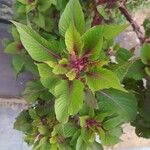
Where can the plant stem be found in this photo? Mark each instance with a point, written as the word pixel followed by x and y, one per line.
pixel 133 23
pixel 97 19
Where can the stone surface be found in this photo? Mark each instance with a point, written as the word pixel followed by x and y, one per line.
pixel 10 139
pixel 6 9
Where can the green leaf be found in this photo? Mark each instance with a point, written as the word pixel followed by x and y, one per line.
pixel 38 48
pixel 102 115
pixel 23 122
pixel 111 137
pixel 23 1
pixel 142 127
pixel 44 5
pixel 95 146
pixel 71 74
pixel 32 113
pixel 15 33
pixel 35 90
pixel 121 70
pixel 17 63
pixel 147 70
pixel 69 129
pixel 136 71
pixel 102 11
pixel 88 136
pixel 59 69
pixel 112 31
pixel 90 99
pixel 81 144
pixel 145 111
pixel 121 103
pixel 47 77
pixel 146 25
pixel 73 40
pixel 112 122
pixel 29 65
pixel 60 4
pixel 43 144
pixel 12 48
pixel 73 12
pixel 69 99
pixel 43 130
pixel 40 20
pixel 83 121
pixel 75 137
pixel 145 54
pixel 123 55
pixel 102 79
pixel 93 41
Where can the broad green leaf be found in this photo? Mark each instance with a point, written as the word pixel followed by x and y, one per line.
pixel 38 48
pixel 112 31
pixel 73 40
pixel 112 123
pixel 29 65
pixel 23 1
pixel 73 12
pixel 68 129
pixel 21 9
pixel 122 103
pixel 111 137
pixel 95 146
pixel 71 74
pixel 93 41
pixel 102 79
pixel 83 121
pixel 145 104
pixel 136 71
pixel 43 130
pixel 47 78
pixel 23 122
pixel 101 116
pixel 121 70
pixel 147 70
pixel 69 99
pixel 35 90
pixel 32 113
pixel 12 48
pixel 142 127
pixel 75 137
pixel 90 99
pixel 123 55
pixel 29 8
pixel 43 144
pixel 102 11
pixel 17 63
pixel 81 145
pixel 146 25
pixel 15 33
pixel 44 5
pixel 145 54
pixel 88 136
pixel 60 4
pixel 59 69
pixel 39 20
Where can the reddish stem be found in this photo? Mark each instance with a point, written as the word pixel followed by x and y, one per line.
pixel 97 19
pixel 133 23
